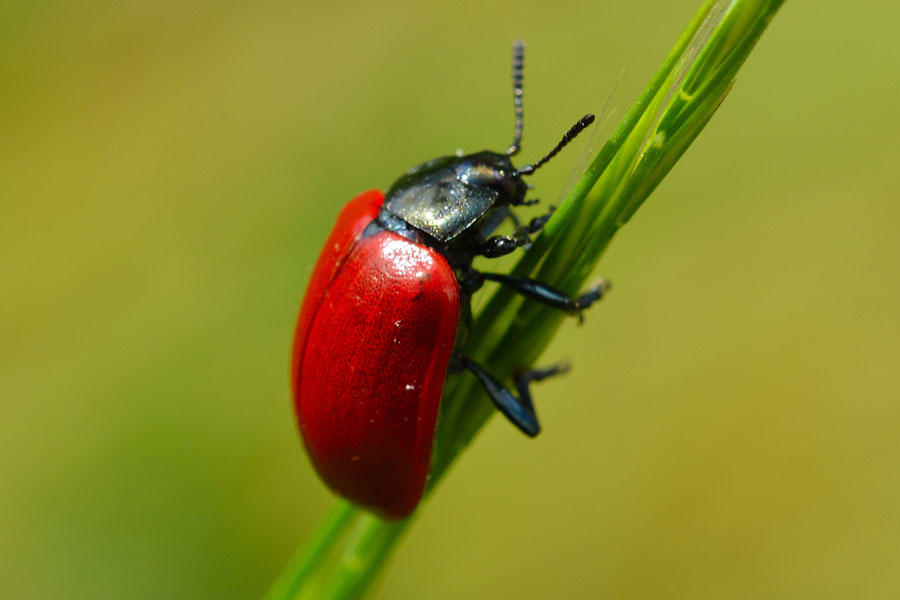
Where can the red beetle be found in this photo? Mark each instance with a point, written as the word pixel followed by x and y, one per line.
pixel 386 308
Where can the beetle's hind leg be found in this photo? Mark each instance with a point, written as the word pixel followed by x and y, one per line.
pixel 519 410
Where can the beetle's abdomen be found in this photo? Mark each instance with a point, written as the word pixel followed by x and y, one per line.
pixel 371 356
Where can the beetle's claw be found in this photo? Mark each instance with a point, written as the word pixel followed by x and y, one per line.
pixel 596 292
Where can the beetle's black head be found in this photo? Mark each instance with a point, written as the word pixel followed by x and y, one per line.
pixel 446 196
pixel 493 171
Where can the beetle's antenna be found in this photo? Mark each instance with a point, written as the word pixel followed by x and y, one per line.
pixel 570 135
pixel 518 63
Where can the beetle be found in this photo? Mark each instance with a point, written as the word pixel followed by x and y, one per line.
pixel 388 307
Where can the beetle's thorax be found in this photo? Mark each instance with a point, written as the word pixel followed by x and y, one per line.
pixel 448 196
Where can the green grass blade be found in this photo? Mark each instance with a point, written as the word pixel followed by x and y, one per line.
pixel 668 116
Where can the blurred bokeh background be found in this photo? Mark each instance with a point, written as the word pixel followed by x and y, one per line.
pixel 169 170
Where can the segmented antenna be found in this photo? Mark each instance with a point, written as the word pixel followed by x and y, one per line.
pixel 518 63
pixel 570 135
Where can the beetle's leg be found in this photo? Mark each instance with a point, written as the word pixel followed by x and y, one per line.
pixel 493 220
pixel 522 379
pixel 501 245
pixel 537 223
pixel 512 217
pixel 469 282
pixel 519 410
pixel 549 295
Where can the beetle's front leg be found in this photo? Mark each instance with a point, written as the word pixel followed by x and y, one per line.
pixel 549 295
pixel 537 223
pixel 501 245
pixel 519 410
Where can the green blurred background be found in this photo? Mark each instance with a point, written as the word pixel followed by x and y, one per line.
pixel 169 170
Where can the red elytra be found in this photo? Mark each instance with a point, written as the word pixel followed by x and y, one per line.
pixel 373 342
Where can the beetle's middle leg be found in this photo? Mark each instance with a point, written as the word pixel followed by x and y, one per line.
pixel 547 294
